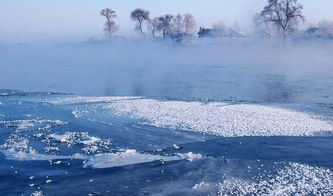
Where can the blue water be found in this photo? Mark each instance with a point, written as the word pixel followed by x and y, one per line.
pixel 224 158
pixel 47 147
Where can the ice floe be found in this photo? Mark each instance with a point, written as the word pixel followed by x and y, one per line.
pixel 32 124
pixel 75 138
pixel 91 144
pixel 16 143
pixel 34 156
pixel 223 119
pixel 82 99
pixel 218 118
pixel 103 160
pixel 282 179
pixel 294 179
pixel 21 142
pixel 95 151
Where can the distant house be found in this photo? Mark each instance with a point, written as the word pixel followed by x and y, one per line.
pixel 318 33
pixel 211 33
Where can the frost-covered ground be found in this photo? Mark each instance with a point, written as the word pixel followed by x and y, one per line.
pixel 156 119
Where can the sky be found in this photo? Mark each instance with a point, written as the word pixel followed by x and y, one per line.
pixel 65 20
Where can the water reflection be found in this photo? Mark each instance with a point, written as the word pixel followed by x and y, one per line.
pixel 196 72
pixel 277 89
pixel 224 83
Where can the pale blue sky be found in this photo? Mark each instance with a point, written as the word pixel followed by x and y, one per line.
pixel 29 20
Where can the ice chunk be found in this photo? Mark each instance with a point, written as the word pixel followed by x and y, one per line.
pixel 127 157
pixel 37 193
pixel 75 138
pixel 190 156
pixel 200 185
pixel 91 144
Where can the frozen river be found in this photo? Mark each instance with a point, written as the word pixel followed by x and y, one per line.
pixel 89 119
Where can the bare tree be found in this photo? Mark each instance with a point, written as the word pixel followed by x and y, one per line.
pixel 177 24
pixel 155 26
pixel 140 16
pixel 110 25
pixel 190 24
pixel 166 25
pixel 179 27
pixel 262 29
pixel 283 15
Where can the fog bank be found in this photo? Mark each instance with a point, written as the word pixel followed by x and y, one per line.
pixel 249 70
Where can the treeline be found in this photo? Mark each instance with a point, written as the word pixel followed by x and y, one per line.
pixel 179 27
pixel 279 18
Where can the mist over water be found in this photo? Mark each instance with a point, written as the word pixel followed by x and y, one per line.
pixel 250 70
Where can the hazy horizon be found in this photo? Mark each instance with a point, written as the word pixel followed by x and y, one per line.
pixel 71 20
pixel 171 113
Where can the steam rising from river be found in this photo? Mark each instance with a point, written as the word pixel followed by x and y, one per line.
pixel 241 69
